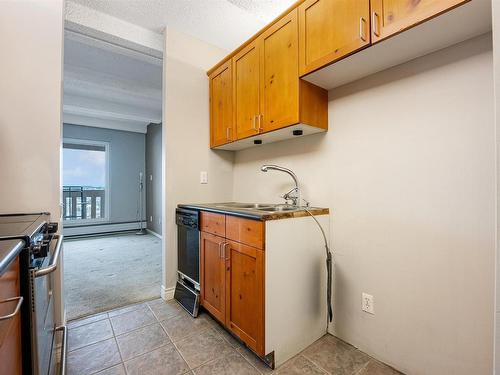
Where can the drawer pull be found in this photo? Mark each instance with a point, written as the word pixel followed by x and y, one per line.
pixel 16 310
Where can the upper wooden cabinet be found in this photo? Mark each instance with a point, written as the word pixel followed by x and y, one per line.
pixel 330 30
pixel 390 17
pixel 221 105
pixel 279 47
pixel 247 91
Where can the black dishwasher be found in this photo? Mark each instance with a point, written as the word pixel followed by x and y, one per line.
pixel 188 259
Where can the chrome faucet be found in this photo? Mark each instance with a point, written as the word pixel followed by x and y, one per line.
pixel 294 194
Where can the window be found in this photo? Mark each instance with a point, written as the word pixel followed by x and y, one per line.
pixel 85 181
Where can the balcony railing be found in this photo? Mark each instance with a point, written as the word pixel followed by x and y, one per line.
pixel 83 203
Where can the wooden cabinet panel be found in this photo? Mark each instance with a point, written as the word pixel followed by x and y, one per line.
pixel 279 50
pixel 245 294
pixel 246 79
pixel 213 223
pixel 221 105
pixel 10 330
pixel 390 17
pixel 246 231
pixel 330 30
pixel 212 275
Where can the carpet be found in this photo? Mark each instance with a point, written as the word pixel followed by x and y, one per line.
pixel 103 273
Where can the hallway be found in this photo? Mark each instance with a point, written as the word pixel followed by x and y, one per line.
pixel 106 272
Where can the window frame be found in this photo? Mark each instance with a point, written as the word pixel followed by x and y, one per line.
pixel 107 188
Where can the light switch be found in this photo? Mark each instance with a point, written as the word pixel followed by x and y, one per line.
pixel 203 177
pixel 150 177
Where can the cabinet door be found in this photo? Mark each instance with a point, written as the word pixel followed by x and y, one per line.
pixel 330 30
pixel 221 105
pixel 246 91
pixel 212 280
pixel 390 17
pixel 245 294
pixel 279 50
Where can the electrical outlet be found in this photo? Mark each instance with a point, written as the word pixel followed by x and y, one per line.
pixel 203 177
pixel 150 177
pixel 367 303
pixel 151 219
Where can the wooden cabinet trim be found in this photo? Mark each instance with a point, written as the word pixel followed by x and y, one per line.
pixel 213 223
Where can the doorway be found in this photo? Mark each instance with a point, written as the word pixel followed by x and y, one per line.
pixel 112 176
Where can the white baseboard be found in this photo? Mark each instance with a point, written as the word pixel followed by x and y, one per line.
pixel 100 228
pixel 167 293
pixel 153 233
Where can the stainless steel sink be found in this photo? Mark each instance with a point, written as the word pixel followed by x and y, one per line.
pixel 267 207
pixel 279 208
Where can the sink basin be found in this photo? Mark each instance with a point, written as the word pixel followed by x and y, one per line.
pixel 278 208
pixel 258 206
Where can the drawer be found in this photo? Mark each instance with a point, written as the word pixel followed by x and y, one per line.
pixel 246 231
pixel 10 329
pixel 213 223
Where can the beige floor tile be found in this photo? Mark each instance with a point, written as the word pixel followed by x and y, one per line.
pixel 231 364
pixel 115 370
pixel 142 340
pixel 89 334
pixel 376 368
pixel 93 358
pixel 87 320
pixel 126 309
pixel 254 360
pixel 182 326
pixel 163 361
pixel 335 356
pixel 166 310
pixel 299 365
pixel 203 347
pixel 132 320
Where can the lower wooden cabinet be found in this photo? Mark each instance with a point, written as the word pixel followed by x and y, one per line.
pixel 10 329
pixel 213 275
pixel 245 294
pixel 232 283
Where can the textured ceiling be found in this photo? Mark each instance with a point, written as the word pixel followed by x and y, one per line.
pixel 224 23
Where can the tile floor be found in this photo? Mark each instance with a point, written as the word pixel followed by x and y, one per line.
pixel 160 338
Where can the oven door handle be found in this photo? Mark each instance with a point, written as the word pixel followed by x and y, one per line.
pixel 16 310
pixel 64 349
pixel 55 258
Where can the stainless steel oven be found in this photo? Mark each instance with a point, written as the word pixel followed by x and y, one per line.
pixel 44 344
pixel 43 329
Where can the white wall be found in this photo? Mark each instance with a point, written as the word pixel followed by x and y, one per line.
pixel 408 172
pixel 31 40
pixel 186 138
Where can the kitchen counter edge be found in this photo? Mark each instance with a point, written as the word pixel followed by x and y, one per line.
pixel 250 214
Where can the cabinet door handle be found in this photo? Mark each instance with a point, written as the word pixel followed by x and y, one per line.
pixel 225 244
pixel 16 310
pixel 375 20
pixel 362 29
pixel 228 137
pixel 260 126
pixel 220 250
pixel 255 122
